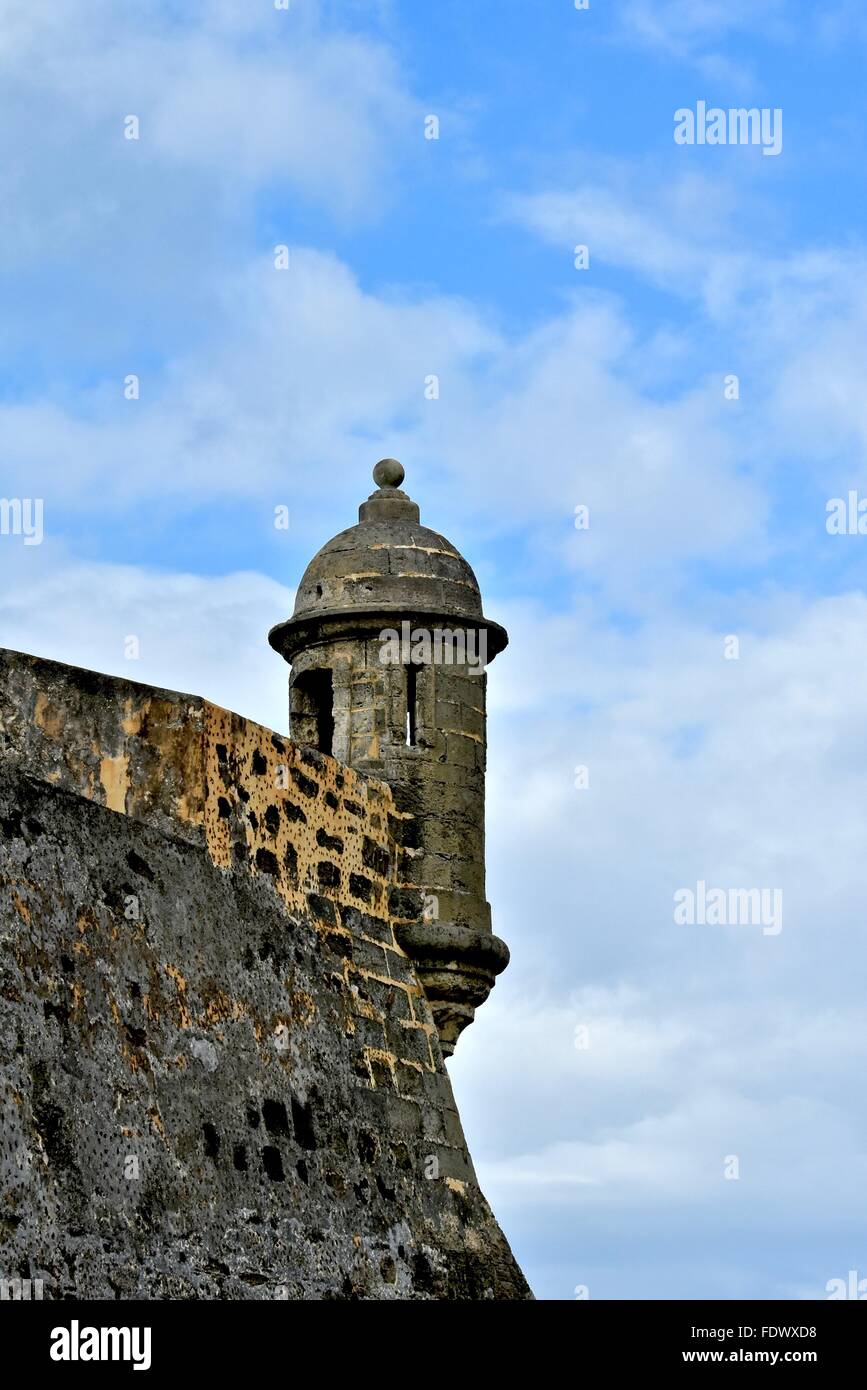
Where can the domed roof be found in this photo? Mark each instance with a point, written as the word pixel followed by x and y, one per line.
pixel 388 564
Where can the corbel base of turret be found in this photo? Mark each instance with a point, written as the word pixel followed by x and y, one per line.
pixel 457 967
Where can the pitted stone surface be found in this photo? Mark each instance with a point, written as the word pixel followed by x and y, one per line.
pixel 220 1075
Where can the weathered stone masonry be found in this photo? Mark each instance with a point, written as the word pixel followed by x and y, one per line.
pixel 420 725
pixel 221 1077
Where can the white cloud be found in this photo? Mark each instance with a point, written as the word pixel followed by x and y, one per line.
pixel 697 235
pixel 202 636
pixel 702 1042
pixel 790 326
pixel 543 422
pixel 696 31
pixel 240 98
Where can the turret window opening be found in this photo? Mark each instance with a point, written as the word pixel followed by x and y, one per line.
pixel 312 713
pixel 411 704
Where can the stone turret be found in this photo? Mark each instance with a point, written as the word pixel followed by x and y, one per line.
pixel 388 645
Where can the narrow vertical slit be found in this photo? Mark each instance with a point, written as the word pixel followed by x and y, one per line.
pixel 325 713
pixel 411 686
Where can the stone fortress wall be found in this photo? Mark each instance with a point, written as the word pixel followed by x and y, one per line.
pixel 221 1076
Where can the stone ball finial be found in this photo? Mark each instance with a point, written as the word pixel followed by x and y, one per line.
pixel 388 473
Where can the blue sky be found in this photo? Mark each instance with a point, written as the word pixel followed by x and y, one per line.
pixel 558 387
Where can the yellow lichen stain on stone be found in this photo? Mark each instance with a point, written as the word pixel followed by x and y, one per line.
pixel 221 1007
pixel 132 718
pixel 156 1120
pixel 181 987
pixel 365 1009
pixel 85 918
pixel 462 733
pixel 21 908
pixel 424 549
pixel 416 1027
pixel 133 1060
pixel 456 1185
pixel 303 1007
pixel 420 574
pixel 190 808
pixel 114 776
pixel 378 1054
pixel 49 719
pixel 167 759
